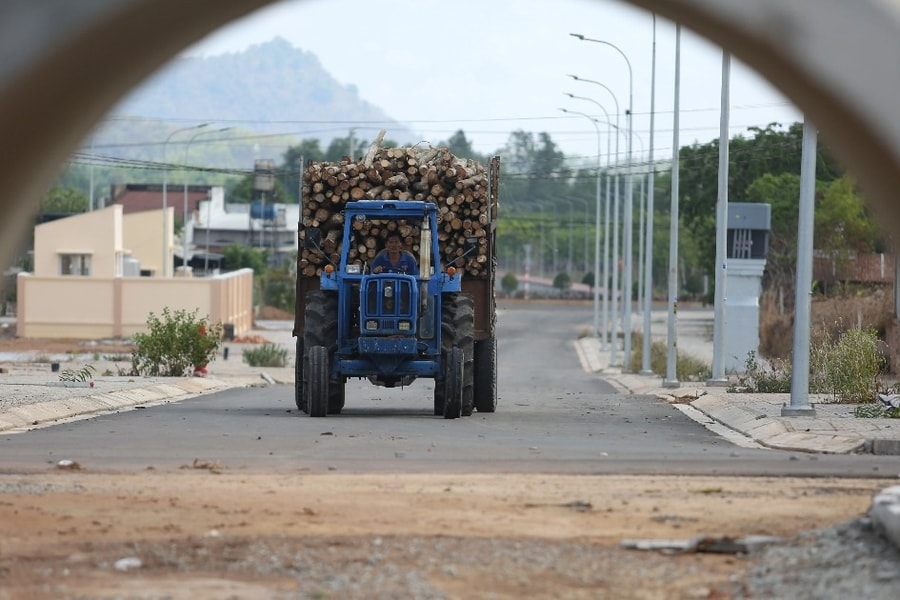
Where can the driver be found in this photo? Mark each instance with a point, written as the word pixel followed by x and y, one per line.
pixel 394 259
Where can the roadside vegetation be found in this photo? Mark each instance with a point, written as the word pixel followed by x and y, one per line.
pixel 267 355
pixel 687 367
pixel 176 344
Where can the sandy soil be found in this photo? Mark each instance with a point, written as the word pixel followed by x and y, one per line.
pixel 207 533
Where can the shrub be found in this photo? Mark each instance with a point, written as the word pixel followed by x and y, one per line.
pixel 176 343
pixel 562 281
pixel 509 283
pixel 848 368
pixel 774 378
pixel 267 355
pixel 687 367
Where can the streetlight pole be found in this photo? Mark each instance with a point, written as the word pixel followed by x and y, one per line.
pixel 604 345
pixel 671 379
pixel 596 225
pixel 629 209
pixel 165 210
pixel 184 243
pixel 646 368
pixel 614 225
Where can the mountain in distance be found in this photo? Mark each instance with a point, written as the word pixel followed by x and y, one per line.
pixel 271 95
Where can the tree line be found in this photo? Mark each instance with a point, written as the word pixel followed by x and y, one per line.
pixel 547 200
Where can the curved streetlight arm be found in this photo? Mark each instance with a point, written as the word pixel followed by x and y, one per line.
pixel 605 43
pixel 165 206
pixel 605 87
pixel 187 149
pixel 608 126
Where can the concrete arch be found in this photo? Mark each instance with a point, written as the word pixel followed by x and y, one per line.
pixel 65 65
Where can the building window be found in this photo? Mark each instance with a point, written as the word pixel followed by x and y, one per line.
pixel 75 264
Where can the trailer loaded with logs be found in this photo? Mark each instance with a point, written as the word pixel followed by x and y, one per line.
pixel 392 328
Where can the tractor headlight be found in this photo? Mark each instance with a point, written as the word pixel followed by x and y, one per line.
pixel 353 269
pixel 371 325
pixel 404 325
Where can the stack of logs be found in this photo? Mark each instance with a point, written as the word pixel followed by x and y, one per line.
pixel 457 186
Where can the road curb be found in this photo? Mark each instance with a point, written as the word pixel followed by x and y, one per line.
pixel 31 415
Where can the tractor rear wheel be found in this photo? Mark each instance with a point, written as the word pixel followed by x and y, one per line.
pixel 458 329
pixel 486 375
pixel 299 396
pixel 317 381
pixel 453 383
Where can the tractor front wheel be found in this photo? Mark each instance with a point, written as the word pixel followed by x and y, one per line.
pixel 317 381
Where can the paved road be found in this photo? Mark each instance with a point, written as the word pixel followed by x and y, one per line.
pixel 552 416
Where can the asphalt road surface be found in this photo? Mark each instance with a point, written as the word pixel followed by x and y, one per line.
pixel 552 416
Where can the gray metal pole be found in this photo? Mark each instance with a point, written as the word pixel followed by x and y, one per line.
pixel 646 368
pixel 627 234
pixel 607 229
pixel 614 317
pixel 628 277
pixel 541 254
pixel 800 406
pixel 639 307
pixel 671 379
pixel 571 238
pixel 604 342
pixel 91 191
pixel 718 364
pixel 597 332
pixel 165 210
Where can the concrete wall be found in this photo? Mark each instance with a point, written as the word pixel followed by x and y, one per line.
pixel 142 232
pixel 118 307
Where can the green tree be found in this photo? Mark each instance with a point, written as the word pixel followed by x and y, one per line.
pixel 65 200
pixel 562 281
pixel 242 191
pixel 460 146
pixel 842 221
pixel 244 257
pixel 782 193
pixel 509 283
pixel 535 169
pixel 279 289
pixel 295 159
pixel 769 151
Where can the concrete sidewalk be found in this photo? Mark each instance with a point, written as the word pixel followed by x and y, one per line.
pixel 31 395
pixel 833 428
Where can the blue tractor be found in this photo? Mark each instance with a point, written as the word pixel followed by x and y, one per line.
pixel 390 328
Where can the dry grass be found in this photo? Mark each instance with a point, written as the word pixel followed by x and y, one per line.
pixel 870 308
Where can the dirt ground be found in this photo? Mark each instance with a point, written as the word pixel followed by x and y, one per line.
pixel 205 532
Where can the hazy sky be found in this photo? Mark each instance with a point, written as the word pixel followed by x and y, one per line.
pixel 490 67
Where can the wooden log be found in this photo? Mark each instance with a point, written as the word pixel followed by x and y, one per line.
pixel 373 149
pixel 458 187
